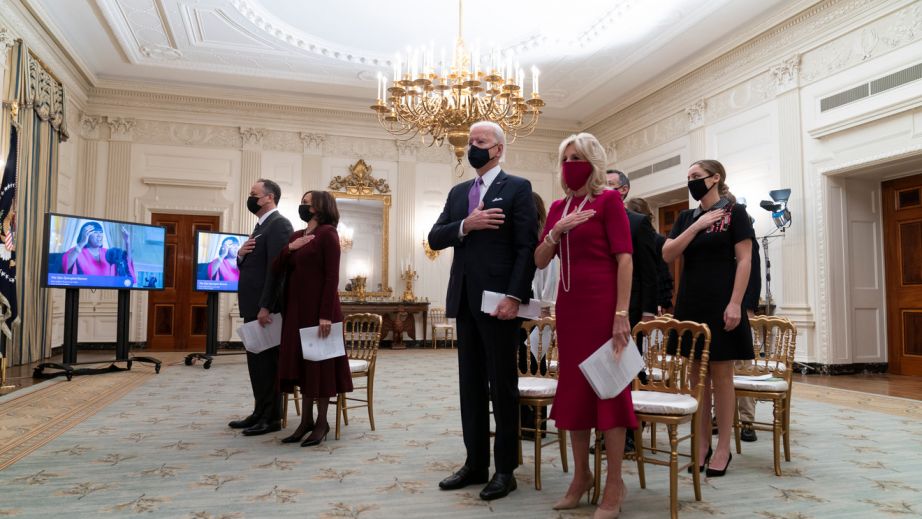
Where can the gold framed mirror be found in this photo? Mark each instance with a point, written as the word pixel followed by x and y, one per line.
pixel 364 205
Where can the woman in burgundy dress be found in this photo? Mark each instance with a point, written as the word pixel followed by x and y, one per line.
pixel 589 231
pixel 311 267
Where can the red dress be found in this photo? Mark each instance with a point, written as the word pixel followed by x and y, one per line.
pixel 586 313
pixel 311 281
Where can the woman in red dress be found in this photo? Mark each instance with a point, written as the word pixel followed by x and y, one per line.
pixel 311 266
pixel 589 231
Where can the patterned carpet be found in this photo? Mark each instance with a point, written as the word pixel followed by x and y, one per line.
pixel 164 450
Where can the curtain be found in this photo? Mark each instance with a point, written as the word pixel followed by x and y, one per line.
pixel 41 122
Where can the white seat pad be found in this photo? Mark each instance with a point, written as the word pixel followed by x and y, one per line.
pixel 754 384
pixel 656 373
pixel 537 387
pixel 358 366
pixel 654 402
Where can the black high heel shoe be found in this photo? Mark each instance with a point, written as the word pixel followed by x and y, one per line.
pixel 295 438
pixel 707 458
pixel 714 473
pixel 310 442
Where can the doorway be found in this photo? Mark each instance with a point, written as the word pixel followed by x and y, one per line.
pixel 177 315
pixel 902 213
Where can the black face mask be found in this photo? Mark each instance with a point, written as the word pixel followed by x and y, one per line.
pixel 698 187
pixel 304 211
pixel 478 157
pixel 253 204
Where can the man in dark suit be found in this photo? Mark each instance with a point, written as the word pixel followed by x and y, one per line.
pixel 491 222
pixel 643 305
pixel 257 297
pixel 644 285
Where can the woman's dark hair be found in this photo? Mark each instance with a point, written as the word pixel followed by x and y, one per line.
pixel 714 167
pixel 324 206
pixel 542 212
pixel 639 205
pixel 96 226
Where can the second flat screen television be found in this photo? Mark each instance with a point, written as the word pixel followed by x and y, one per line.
pixel 216 261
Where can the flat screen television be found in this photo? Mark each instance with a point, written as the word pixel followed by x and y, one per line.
pixel 81 252
pixel 216 261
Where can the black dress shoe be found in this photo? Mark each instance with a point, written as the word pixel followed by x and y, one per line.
pixel 464 477
pixel 296 437
pixel 310 442
pixel 247 422
pixel 704 463
pixel 262 427
pixel 498 487
pixel 748 434
pixel 714 473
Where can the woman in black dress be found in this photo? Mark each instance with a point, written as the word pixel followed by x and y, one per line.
pixel 715 241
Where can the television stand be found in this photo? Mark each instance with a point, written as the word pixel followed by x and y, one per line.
pixel 69 355
pixel 211 339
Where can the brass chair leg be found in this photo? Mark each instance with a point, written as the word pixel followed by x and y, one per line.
pixel 538 441
pixel 696 474
pixel 776 434
pixel 787 428
pixel 345 411
pixel 340 409
pixel 369 393
pixel 673 471
pixel 736 430
pixel 639 448
pixel 562 440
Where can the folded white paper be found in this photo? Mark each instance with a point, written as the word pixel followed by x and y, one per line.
pixel 544 341
pixel 491 300
pixel 257 338
pixel 314 347
pixel 607 376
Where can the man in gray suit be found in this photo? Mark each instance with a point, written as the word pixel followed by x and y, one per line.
pixel 257 297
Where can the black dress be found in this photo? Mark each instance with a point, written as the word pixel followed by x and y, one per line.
pixel 708 272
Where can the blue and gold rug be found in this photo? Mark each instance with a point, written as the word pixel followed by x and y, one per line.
pixel 164 450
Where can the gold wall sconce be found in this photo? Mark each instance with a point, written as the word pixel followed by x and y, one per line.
pixel 431 254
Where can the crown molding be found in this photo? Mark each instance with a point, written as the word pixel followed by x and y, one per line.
pixel 819 24
pixel 26 22
pixel 180 182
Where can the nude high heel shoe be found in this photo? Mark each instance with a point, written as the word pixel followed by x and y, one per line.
pixel 607 513
pixel 570 501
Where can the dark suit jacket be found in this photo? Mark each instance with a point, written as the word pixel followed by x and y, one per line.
pixel 500 260
pixel 259 287
pixel 643 285
pixel 664 282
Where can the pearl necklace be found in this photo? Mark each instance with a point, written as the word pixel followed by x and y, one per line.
pixel 566 281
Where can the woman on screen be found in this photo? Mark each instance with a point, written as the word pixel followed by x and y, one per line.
pixel 224 266
pixel 88 257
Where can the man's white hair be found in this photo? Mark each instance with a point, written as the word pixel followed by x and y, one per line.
pixel 497 133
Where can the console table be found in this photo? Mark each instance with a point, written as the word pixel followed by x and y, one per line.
pixel 398 317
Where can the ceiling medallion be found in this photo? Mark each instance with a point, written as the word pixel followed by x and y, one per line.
pixel 442 100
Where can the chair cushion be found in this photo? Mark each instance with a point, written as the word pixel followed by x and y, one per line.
pixel 537 387
pixel 656 373
pixel 760 383
pixel 441 326
pixel 358 366
pixel 655 402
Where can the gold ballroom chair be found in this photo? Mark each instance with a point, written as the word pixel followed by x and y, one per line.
pixel 441 326
pixel 362 334
pixel 538 385
pixel 670 399
pixel 295 397
pixel 769 378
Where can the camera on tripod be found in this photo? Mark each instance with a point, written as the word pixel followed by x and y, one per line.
pixel 778 206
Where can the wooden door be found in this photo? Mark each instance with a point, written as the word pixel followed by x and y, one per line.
pixel 177 315
pixel 902 209
pixel 668 214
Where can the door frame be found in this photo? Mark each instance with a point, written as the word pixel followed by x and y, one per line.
pixel 178 196
pixel 895 346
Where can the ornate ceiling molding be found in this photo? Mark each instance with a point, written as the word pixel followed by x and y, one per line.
pixel 120 128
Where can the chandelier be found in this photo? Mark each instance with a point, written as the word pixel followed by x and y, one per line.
pixel 441 100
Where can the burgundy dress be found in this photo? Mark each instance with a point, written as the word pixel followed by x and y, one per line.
pixel 311 281
pixel 586 313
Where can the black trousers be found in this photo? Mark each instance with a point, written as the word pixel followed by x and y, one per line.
pixel 264 369
pixel 487 372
